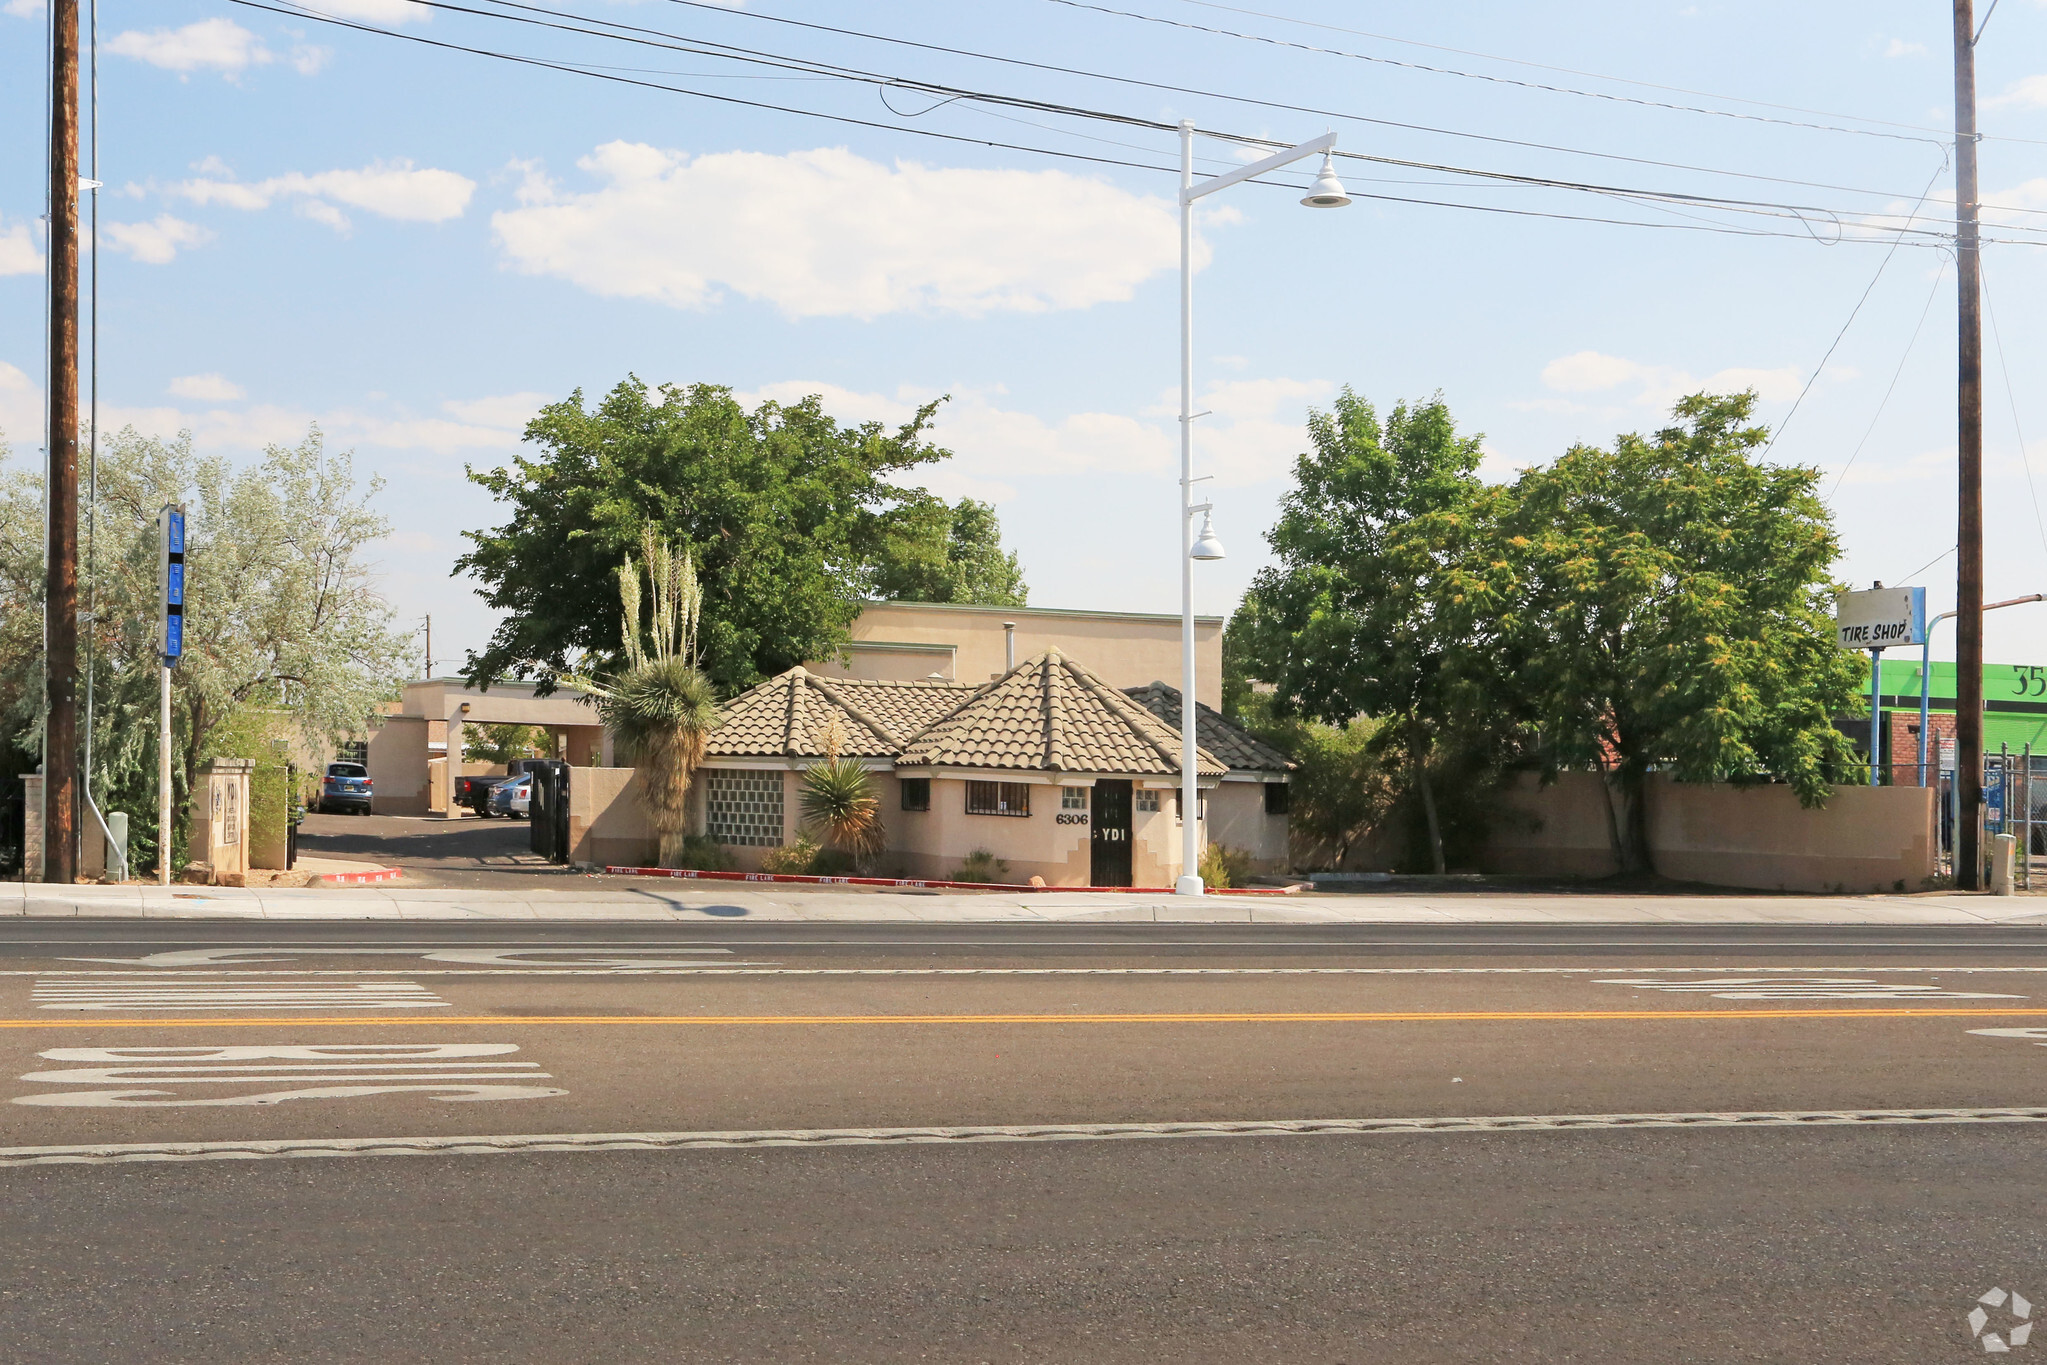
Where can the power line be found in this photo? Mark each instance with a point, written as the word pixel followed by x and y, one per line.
pixel 1562 70
pixel 1896 374
pixel 2011 394
pixel 640 35
pixel 1279 105
pixel 598 73
pixel 1481 76
pixel 1867 290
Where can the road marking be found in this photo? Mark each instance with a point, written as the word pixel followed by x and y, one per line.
pixel 745 969
pixel 442 1071
pixel 1208 1017
pixel 160 993
pixel 486 956
pixel 1805 988
pixel 273 1149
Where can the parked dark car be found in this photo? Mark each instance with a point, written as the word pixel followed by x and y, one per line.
pixel 345 787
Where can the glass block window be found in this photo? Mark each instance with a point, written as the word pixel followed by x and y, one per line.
pixel 742 807
pixel 1073 798
pixel 1147 799
pixel 916 793
pixel 998 798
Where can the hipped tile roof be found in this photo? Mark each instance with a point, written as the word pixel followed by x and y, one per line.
pixel 1228 741
pixel 1048 714
pixel 787 715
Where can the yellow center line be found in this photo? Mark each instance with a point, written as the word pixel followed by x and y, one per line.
pixel 1206 1017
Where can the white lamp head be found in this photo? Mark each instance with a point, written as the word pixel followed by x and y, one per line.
pixel 1327 191
pixel 1206 546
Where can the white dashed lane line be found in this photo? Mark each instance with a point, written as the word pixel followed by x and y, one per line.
pixel 218 1077
pixel 161 993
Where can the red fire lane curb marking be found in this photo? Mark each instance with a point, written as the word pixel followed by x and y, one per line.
pixel 382 874
pixel 692 874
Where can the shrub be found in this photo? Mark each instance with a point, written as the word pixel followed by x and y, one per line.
pixel 980 866
pixel 793 860
pixel 702 853
pixel 1223 867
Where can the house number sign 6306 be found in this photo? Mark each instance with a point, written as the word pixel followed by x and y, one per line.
pixel 1079 819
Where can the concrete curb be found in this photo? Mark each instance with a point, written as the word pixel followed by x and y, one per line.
pixel 382 874
pixel 694 874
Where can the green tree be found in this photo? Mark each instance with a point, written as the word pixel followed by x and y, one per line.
pixel 1384 598
pixel 281 608
pixel 930 552
pixel 501 743
pixel 1674 607
pixel 784 509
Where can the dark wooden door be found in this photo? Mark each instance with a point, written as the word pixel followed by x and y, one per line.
pixel 1109 846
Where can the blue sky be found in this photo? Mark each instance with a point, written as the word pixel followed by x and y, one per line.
pixel 415 247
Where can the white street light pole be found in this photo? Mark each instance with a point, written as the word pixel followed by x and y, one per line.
pixel 1326 194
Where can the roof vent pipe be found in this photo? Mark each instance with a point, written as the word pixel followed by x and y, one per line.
pixel 1008 645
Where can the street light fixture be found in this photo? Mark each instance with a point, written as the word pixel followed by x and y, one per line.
pixel 1327 193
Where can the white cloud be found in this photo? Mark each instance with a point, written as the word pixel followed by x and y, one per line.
pixel 1898 47
pixel 826 233
pixel 22 9
pixel 21 411
pixel 307 59
pixel 390 189
pixel 511 411
pixel 207 388
pixel 157 241
pixel 18 254
pixel 377 11
pixel 218 44
pixel 1656 386
pixel 2029 92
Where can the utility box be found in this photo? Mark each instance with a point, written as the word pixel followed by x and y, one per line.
pixel 32 827
pixel 220 820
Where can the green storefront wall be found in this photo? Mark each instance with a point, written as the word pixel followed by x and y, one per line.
pixel 2014 700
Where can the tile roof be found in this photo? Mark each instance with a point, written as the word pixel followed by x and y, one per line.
pixel 1049 714
pixel 786 716
pixel 1228 741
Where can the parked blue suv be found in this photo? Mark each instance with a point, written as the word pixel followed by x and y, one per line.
pixel 346 787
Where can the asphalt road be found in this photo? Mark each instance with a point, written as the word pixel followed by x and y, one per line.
pixel 720 1143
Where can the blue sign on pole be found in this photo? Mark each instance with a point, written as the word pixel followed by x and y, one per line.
pixel 171 578
pixel 1993 797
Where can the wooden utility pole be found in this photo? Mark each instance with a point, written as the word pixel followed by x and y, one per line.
pixel 1969 471
pixel 60 583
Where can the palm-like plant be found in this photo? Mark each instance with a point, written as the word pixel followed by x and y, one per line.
pixel 660 707
pixel 838 798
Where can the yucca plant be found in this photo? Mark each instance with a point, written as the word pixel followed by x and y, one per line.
pixel 660 707
pixel 838 799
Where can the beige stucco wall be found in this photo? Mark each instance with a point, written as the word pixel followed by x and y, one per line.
pixel 1237 819
pixel 1126 649
pixel 398 766
pixel 506 703
pixel 1864 839
pixel 608 827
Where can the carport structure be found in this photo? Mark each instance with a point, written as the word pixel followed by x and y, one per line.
pixel 409 749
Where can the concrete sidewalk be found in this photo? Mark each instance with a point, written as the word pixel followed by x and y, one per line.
pixel 669 902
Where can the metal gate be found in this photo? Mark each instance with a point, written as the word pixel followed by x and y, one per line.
pixel 548 811
pixel 2013 805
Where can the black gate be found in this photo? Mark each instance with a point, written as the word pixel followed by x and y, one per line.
pixel 548 811
pixel 1109 848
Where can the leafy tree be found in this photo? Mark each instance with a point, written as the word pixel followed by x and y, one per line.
pixel 1343 788
pixel 281 611
pixel 1383 601
pixel 784 510
pixel 934 553
pixel 503 742
pixel 1674 607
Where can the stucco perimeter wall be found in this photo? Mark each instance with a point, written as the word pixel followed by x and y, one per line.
pixel 607 824
pixel 1237 819
pixel 1864 839
pixel 398 766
